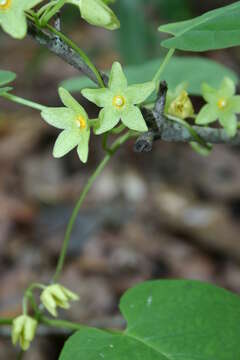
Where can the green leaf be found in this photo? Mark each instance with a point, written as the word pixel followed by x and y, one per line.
pixel 6 77
pixel 166 320
pixel 217 29
pixel 193 70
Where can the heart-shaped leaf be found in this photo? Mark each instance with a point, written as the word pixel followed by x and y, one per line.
pixel 6 77
pixel 193 70
pixel 217 29
pixel 167 320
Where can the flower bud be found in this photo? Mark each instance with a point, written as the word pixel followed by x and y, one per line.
pixel 56 295
pixel 23 330
pixel 181 107
pixel 97 13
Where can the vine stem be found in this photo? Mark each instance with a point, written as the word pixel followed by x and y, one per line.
pixel 52 12
pixel 61 323
pixel 22 101
pixel 121 140
pixel 163 65
pixel 6 321
pixel 78 50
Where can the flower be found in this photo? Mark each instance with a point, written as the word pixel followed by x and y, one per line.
pixel 73 119
pixel 178 103
pixel 97 13
pixel 56 295
pixel 118 102
pixel 12 16
pixel 222 104
pixel 23 330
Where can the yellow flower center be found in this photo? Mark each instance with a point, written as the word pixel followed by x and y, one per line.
pixel 118 101
pixel 5 4
pixel 81 122
pixel 222 103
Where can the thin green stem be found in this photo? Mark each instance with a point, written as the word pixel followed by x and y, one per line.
pixel 22 101
pixel 45 7
pixel 163 65
pixel 52 12
pixel 61 323
pixel 6 321
pixel 78 50
pixel 79 203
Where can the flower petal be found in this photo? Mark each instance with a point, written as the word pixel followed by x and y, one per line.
pixel 134 120
pixel 30 328
pixel 71 103
pixel 136 94
pixel 61 118
pixel 209 93
pixel 14 23
pixel 28 4
pixel 234 104
pixel 229 122
pixel 100 97
pixel 207 115
pixel 107 120
pixel 227 88
pixel 82 150
pixel 117 80
pixel 66 141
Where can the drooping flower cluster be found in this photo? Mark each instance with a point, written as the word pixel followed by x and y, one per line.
pixel 23 331
pixel 56 295
pixel 24 326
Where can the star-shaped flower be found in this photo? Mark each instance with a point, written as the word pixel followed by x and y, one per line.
pixel 97 13
pixel 222 104
pixel 12 16
pixel 118 102
pixel 73 120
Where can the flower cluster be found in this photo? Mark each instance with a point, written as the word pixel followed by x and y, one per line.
pixel 56 295
pixel 24 326
pixel 119 101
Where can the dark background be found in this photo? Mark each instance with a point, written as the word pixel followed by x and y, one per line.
pixel 167 214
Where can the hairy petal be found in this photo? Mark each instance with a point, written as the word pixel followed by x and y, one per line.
pixel 136 94
pixel 82 150
pixel 134 120
pixel 71 103
pixel 100 97
pixel 117 80
pixel 61 118
pixel 66 141
pixel 234 103
pixel 107 120
pixel 229 122
pixel 207 115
